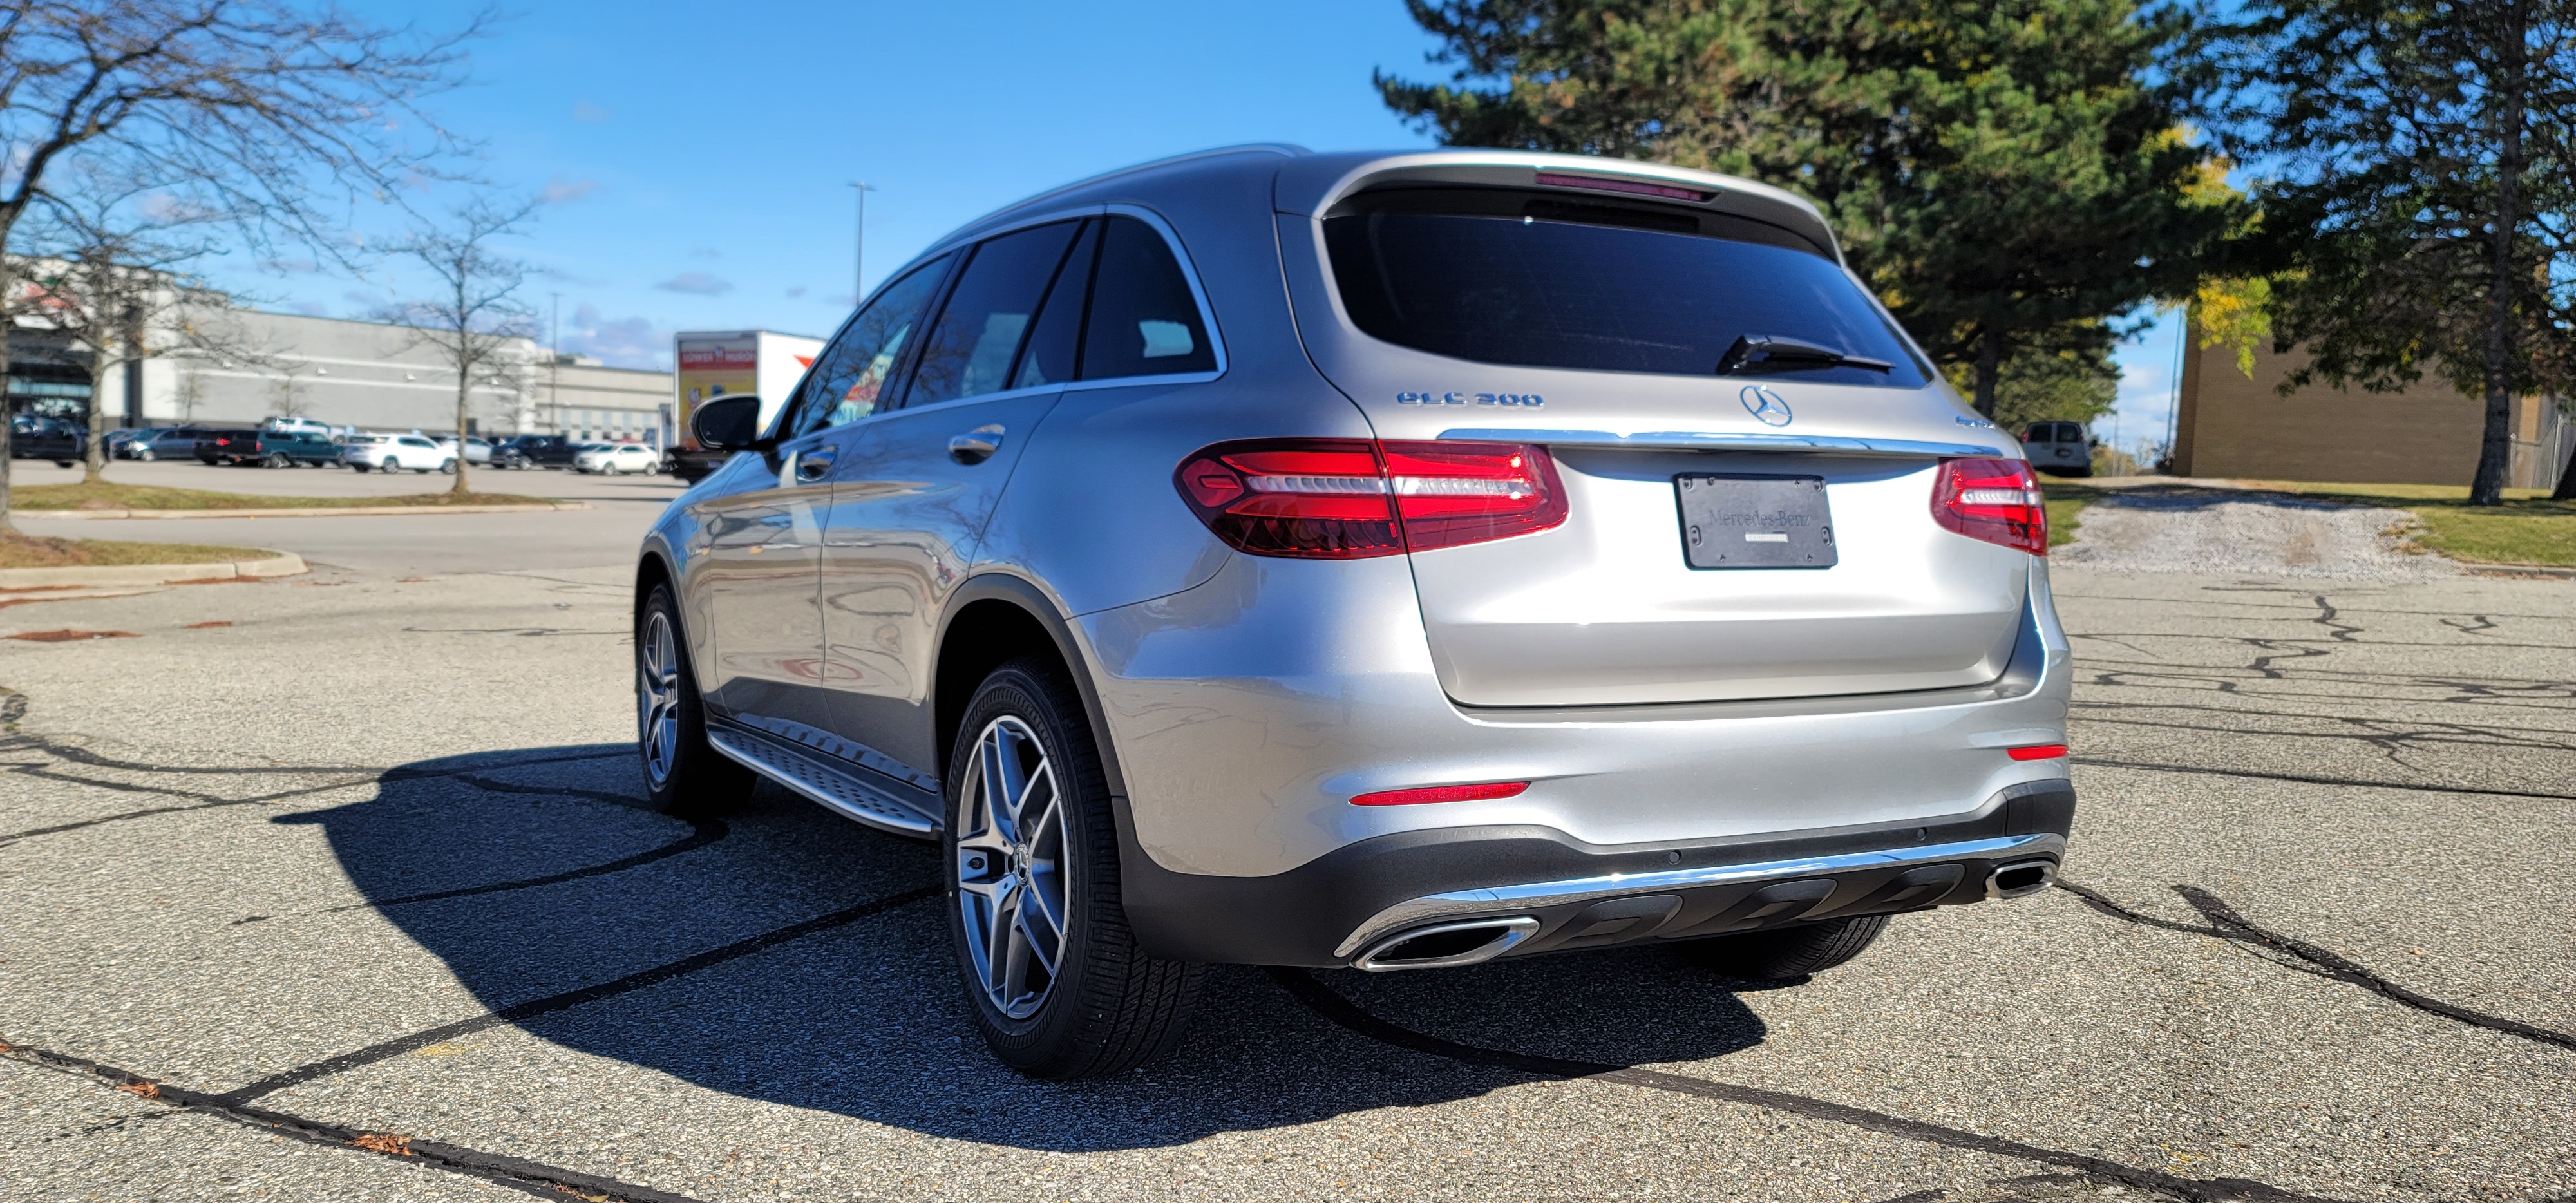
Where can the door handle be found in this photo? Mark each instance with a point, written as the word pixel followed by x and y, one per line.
pixel 813 467
pixel 975 446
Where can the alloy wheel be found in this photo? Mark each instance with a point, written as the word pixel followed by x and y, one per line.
pixel 1011 867
pixel 657 695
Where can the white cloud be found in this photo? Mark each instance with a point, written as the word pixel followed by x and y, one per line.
pixel 560 191
pixel 630 342
pixel 696 284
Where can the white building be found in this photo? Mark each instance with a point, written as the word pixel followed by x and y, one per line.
pixel 367 375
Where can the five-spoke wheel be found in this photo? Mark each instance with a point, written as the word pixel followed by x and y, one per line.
pixel 657 696
pixel 1011 867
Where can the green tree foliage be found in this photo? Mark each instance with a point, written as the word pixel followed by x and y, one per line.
pixel 2423 184
pixel 2001 172
pixel 2075 384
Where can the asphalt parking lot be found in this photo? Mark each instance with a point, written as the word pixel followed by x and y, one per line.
pixel 621 509
pixel 351 895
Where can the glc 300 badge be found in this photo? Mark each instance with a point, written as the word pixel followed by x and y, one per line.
pixel 1455 398
pixel 1765 406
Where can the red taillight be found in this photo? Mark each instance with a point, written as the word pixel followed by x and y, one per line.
pixel 1350 498
pixel 2037 752
pixel 1996 500
pixel 1443 793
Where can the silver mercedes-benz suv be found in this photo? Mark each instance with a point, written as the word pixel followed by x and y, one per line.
pixel 1382 560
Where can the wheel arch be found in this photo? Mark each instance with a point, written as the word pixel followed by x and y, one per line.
pixel 994 618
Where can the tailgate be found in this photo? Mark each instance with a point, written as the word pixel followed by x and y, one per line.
pixel 1609 607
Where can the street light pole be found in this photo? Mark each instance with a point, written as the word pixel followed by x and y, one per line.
pixel 859 246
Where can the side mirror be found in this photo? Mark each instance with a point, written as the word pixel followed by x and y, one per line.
pixel 726 423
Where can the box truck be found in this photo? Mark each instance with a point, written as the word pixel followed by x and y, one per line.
pixel 731 363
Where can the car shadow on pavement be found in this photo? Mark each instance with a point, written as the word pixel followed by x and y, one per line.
pixel 542 875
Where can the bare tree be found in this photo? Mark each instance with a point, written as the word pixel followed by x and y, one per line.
pixel 476 314
pixel 111 263
pixel 248 105
pixel 287 395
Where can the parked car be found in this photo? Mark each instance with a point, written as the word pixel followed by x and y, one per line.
pixel 164 442
pixel 692 464
pixel 535 451
pixel 610 459
pixel 476 450
pixel 1206 558
pixel 395 452
pixel 33 436
pixel 266 448
pixel 2059 448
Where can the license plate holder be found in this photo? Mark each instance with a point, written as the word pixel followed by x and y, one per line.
pixel 1744 520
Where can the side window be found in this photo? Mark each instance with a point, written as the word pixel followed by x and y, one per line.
pixel 969 350
pixel 1048 359
pixel 844 384
pixel 1144 322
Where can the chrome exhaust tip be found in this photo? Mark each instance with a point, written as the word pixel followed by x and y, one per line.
pixel 1447 945
pixel 2020 879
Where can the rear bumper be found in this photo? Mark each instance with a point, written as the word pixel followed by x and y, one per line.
pixel 1337 909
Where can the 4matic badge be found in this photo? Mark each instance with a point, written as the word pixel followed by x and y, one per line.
pixel 1533 400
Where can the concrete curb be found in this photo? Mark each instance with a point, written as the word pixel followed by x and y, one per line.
pixel 2524 570
pixel 351 511
pixel 282 564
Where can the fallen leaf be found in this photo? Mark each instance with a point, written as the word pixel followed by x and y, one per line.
pixel 385 1142
pixel 199 626
pixel 69 636
pixel 146 1090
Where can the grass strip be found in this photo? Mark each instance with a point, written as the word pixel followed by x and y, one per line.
pixel 109 495
pixel 27 551
pixel 2527 529
pixel 2066 502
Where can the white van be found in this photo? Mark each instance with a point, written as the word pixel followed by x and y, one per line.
pixel 2059 448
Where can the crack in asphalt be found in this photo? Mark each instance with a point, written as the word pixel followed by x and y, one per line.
pixel 213 801
pixel 520 1012
pixel 2409 734
pixel 2226 923
pixel 535 1177
pixel 1342 1012
pixel 702 833
pixel 2313 779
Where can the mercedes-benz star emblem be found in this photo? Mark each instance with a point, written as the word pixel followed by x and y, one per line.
pixel 1766 405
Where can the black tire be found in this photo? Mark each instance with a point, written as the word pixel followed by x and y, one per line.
pixel 1786 953
pixel 1108 1007
pixel 277 460
pixel 694 779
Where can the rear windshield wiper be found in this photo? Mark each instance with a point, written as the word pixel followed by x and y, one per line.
pixel 1778 353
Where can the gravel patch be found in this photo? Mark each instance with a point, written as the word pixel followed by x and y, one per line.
pixel 2231 533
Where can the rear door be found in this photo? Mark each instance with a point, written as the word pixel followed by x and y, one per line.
pixel 1594 326
pixel 918 483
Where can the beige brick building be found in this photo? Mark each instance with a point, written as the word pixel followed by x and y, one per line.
pixel 2231 426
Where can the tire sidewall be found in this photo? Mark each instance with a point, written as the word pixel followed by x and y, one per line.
pixel 697 769
pixel 1021 690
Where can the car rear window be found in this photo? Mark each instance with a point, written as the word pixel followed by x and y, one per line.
pixel 1499 276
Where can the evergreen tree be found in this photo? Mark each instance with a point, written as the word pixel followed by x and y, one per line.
pixel 2003 173
pixel 2422 195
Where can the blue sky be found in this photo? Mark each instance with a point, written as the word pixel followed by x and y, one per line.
pixel 696 157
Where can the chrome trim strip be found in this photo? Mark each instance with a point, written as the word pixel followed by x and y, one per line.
pixel 1691 440
pixel 1535 895
pixel 816 783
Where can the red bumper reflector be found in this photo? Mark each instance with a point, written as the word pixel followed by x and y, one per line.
pixel 2037 752
pixel 1443 793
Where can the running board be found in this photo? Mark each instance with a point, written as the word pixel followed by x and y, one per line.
pixel 843 791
